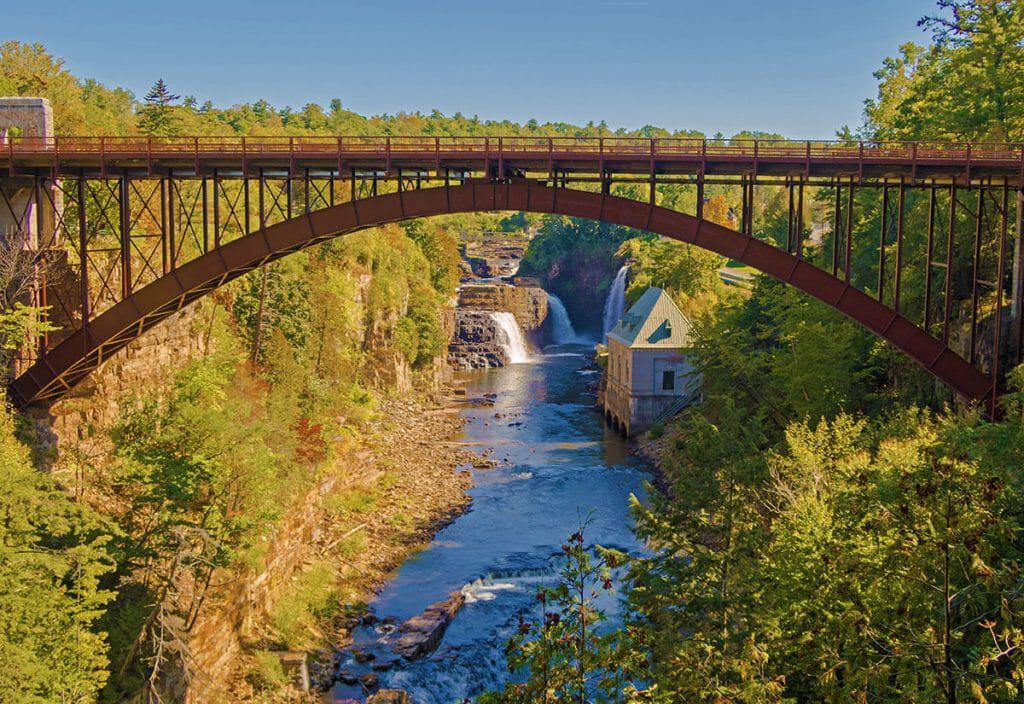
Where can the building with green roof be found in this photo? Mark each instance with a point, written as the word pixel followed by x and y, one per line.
pixel 650 375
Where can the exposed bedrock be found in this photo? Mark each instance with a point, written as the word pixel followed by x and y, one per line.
pixel 529 304
pixel 421 634
pixel 478 340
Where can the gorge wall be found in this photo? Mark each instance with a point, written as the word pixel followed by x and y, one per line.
pixel 80 422
pixel 477 341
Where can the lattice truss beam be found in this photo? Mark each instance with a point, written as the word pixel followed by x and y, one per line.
pixel 112 236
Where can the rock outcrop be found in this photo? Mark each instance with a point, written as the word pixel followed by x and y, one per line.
pixel 495 257
pixel 475 344
pixel 528 304
pixel 421 634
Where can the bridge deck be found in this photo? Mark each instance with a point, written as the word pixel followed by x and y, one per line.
pixel 577 155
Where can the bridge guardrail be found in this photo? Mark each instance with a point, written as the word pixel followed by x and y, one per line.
pixel 864 151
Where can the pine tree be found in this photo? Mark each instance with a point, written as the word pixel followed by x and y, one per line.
pixel 157 117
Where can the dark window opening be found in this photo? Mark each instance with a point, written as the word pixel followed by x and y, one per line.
pixel 668 381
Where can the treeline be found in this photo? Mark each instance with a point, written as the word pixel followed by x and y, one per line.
pixel 86 107
pixel 834 527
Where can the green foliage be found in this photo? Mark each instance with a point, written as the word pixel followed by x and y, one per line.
pixel 310 599
pixel 157 116
pixel 688 273
pixel 285 302
pixel 969 84
pixel 79 106
pixel 576 259
pixel 53 556
pixel 350 502
pixel 565 654
pixel 268 672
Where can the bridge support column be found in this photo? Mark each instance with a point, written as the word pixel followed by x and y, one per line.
pixel 29 205
pixel 1017 286
pixel 24 209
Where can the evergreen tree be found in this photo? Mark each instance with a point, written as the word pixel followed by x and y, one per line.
pixel 157 117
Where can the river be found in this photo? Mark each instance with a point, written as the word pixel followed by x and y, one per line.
pixel 558 463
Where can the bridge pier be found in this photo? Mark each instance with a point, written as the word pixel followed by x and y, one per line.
pixel 29 207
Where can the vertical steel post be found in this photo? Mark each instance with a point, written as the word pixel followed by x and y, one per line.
pixel 950 243
pixel 206 217
pixel 836 221
pixel 245 195
pixel 1017 293
pixel 163 226
pixel 800 219
pixel 975 269
pixel 83 249
pixel 125 236
pixel 260 202
pixel 172 196
pixel 849 232
pixel 41 248
pixel 216 209
pixel 899 246
pixel 288 193
pixel 997 333
pixel 790 216
pixel 882 236
pixel 929 252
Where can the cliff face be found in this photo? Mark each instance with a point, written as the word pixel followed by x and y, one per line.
pixel 495 256
pixel 79 423
pixel 582 283
pixel 476 342
pixel 528 304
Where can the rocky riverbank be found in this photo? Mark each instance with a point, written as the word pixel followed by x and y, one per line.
pixel 407 459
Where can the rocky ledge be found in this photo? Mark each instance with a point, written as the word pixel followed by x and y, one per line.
pixel 475 344
pixel 421 634
pixel 529 304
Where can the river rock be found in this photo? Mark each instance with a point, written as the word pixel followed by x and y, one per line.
pixel 421 634
pixel 390 696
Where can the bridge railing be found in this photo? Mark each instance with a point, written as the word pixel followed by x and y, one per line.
pixel 367 145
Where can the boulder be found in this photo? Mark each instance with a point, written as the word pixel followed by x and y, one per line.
pixel 421 634
pixel 390 696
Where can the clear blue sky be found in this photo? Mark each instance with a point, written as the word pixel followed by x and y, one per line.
pixel 798 67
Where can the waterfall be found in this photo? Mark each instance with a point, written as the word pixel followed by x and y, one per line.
pixel 563 331
pixel 616 301
pixel 510 336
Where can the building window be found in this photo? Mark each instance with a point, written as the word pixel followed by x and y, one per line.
pixel 668 381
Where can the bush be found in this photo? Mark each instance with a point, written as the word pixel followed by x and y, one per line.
pixel 311 599
pixel 268 672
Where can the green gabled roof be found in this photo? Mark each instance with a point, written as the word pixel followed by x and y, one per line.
pixel 653 321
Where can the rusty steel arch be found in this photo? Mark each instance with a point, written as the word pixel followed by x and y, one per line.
pixel 54 374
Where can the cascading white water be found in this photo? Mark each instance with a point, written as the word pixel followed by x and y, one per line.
pixel 562 331
pixel 615 304
pixel 513 342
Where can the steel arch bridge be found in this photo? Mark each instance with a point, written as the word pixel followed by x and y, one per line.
pixel 124 232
